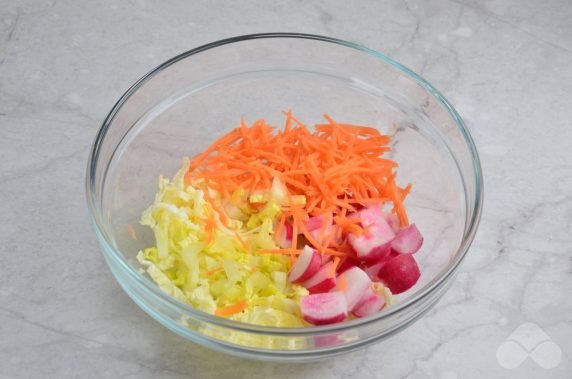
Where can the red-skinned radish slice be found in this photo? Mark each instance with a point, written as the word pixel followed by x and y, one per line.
pixel 372 270
pixel 326 258
pixel 316 222
pixel 408 240
pixel 321 232
pixel 399 273
pixel 356 282
pixel 346 263
pixel 330 233
pixel 284 240
pixel 322 281
pixel 369 304
pixel 324 308
pixel 374 246
pixel 392 221
pixel 306 265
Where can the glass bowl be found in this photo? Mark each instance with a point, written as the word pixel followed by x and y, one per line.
pixel 180 107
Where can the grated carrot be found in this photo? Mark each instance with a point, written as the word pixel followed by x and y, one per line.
pixel 342 283
pixel 334 267
pixel 280 251
pixel 131 232
pixel 337 167
pixel 214 271
pixel 231 309
pixel 242 241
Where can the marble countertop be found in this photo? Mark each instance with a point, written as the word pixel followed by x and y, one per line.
pixel 505 65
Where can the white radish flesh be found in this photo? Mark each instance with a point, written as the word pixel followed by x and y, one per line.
pixel 324 308
pixel 330 233
pixel 408 240
pixel 377 243
pixel 369 304
pixel 356 282
pixel 284 239
pixel 392 221
pixel 372 271
pixel 306 265
pixel 317 222
pixel 322 281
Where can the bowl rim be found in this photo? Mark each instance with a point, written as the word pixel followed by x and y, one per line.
pixel 99 225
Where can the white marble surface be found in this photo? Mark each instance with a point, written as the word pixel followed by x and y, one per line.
pixel 506 65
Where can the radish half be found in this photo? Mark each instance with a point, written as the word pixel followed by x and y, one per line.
pixel 408 240
pixel 346 263
pixel 324 308
pixel 369 304
pixel 284 239
pixel 399 273
pixel 322 281
pixel 372 270
pixel 307 264
pixel 374 246
pixel 356 282
pixel 392 220
pixel 316 222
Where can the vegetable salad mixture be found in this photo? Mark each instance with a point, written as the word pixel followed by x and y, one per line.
pixel 285 228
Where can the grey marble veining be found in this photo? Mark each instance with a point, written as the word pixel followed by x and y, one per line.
pixel 505 65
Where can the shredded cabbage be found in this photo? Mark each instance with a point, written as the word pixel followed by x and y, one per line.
pixel 224 271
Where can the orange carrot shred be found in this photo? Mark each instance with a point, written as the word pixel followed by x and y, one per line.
pixel 334 267
pixel 131 231
pixel 242 241
pixel 337 167
pixel 229 310
pixel 342 283
pixel 280 251
pixel 214 271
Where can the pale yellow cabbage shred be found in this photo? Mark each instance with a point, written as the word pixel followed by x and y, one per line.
pixel 223 272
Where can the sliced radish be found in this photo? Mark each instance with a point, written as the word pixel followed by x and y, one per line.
pixel 326 258
pixel 324 308
pixel 346 263
pixel 392 220
pixel 316 222
pixel 307 264
pixel 399 273
pixel 346 247
pixel 330 233
pixel 321 228
pixel 322 281
pixel 369 304
pixel 374 269
pixel 284 239
pixel 355 284
pixel 372 215
pixel 408 240
pixel 378 243
pixel 370 249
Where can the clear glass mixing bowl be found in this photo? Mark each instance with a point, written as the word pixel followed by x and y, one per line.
pixel 180 107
